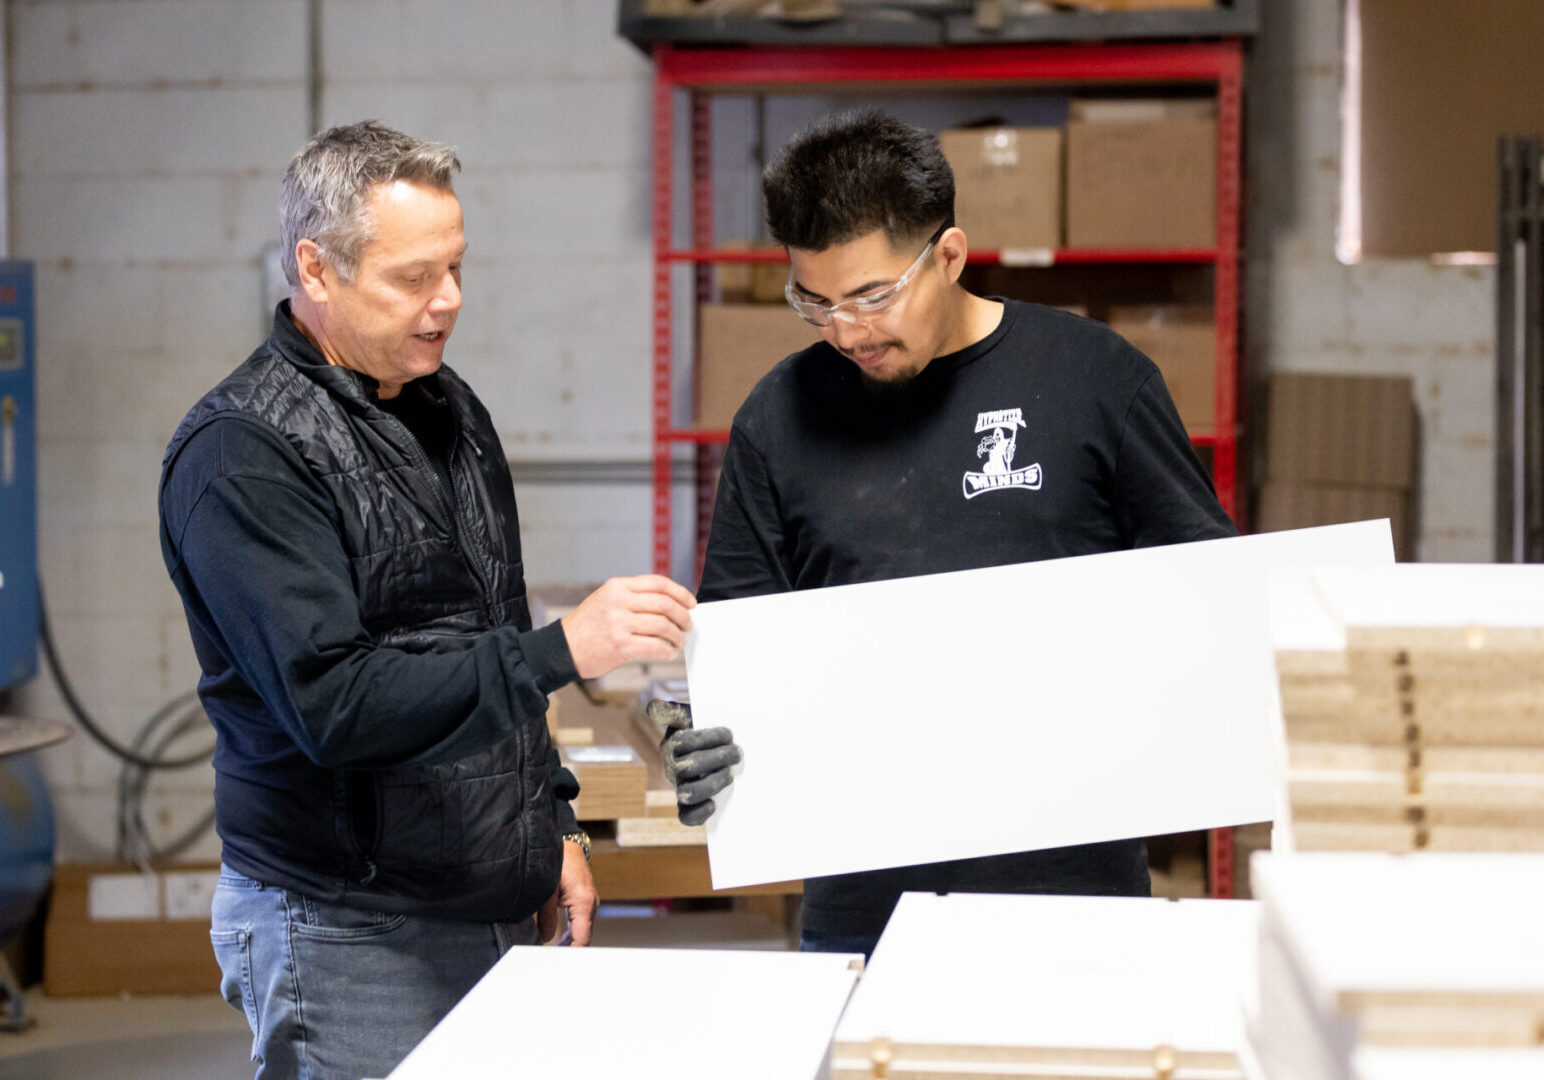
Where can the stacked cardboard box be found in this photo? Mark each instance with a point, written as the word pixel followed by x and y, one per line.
pixel 1137 5
pixel 1339 448
pixel 736 346
pixel 1142 174
pixel 1182 340
pixel 1007 187
pixel 112 929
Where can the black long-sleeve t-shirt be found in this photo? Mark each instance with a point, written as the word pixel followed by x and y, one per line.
pixel 1050 437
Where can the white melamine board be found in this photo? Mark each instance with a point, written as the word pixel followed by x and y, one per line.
pixel 1299 620
pixel 1434 595
pixel 1049 972
pixel 998 710
pixel 644 1014
pixel 1425 922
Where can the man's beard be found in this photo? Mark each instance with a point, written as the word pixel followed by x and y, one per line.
pixel 896 383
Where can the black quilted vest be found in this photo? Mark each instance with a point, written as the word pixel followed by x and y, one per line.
pixel 470 839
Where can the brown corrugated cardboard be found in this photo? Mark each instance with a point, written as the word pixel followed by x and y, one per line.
pixel 738 344
pixel 1287 505
pixel 1141 175
pixel 1007 186
pixel 1182 340
pixel 767 281
pixel 1439 83
pixel 93 948
pixel 1341 429
pixel 751 282
pixel 1136 5
pixel 733 278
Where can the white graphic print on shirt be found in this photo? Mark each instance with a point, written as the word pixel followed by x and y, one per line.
pixel 998 448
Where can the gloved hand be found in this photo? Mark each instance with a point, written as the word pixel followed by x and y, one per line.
pixel 696 762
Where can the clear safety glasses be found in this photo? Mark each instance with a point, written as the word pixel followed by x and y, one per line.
pixel 859 307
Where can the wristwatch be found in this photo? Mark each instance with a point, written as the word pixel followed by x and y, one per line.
pixel 582 838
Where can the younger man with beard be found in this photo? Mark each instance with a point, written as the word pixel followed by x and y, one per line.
pixel 930 430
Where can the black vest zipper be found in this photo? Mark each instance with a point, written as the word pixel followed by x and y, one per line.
pixel 451 503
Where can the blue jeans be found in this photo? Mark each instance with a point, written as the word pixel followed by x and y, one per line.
pixel 339 993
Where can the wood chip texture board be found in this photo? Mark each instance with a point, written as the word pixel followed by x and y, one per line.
pixel 1414 720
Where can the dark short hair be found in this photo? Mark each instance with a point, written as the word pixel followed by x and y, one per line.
pixel 854 172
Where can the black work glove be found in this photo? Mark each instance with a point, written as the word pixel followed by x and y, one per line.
pixel 696 762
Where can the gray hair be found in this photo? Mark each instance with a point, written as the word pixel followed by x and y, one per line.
pixel 327 184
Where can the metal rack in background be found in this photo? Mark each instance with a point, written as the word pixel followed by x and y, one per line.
pixel 1519 352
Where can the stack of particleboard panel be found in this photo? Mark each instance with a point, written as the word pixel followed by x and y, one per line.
pixel 612 780
pixel 1413 709
pixel 1374 966
pixel 971 985
pixel 659 826
pixel 614 751
pixel 593 740
pixel 570 717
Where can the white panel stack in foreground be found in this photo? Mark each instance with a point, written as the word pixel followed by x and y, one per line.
pixel 1042 986
pixel 1385 967
pixel 644 1014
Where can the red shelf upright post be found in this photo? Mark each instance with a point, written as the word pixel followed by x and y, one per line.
pixel 1226 289
pixel 1225 310
pixel 660 194
pixel 704 455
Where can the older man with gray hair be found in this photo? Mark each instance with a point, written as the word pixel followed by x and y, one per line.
pixel 339 520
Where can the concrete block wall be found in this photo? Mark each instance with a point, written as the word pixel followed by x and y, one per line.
pixel 1305 311
pixel 147 138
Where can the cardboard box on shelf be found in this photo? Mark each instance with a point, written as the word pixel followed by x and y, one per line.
pixel 1008 185
pixel 733 278
pixel 1136 5
pixel 1286 504
pixel 736 346
pixel 1356 430
pixel 1182 340
pixel 767 281
pixel 114 930
pixel 750 282
pixel 669 8
pixel 1142 174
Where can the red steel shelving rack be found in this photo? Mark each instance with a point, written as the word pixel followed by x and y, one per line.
pixel 702 71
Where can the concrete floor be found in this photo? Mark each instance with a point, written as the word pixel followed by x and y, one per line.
pixel 203 1038
pixel 127 1038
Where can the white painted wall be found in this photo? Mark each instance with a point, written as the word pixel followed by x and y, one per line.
pixel 147 141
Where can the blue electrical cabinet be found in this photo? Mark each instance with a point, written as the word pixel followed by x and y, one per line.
pixel 18 478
